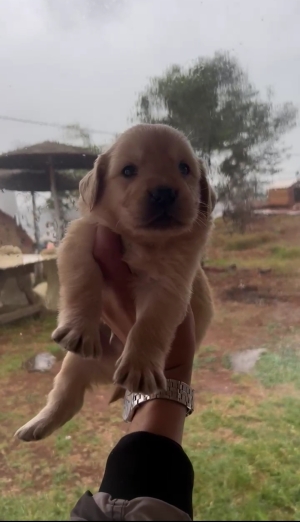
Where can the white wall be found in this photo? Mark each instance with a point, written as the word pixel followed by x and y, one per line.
pixel 8 203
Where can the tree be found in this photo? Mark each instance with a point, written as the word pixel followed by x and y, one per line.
pixel 216 106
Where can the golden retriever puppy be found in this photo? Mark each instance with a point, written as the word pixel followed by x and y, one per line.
pixel 152 190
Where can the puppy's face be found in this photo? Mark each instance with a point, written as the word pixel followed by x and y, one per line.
pixel 148 183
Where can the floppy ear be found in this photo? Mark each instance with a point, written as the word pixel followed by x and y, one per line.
pixel 91 187
pixel 208 197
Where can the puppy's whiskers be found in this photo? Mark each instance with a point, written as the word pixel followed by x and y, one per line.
pixel 201 221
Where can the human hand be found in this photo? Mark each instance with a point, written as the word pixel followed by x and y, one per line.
pixel 119 306
pixel 118 303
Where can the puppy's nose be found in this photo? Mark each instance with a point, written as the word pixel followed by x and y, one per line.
pixel 163 196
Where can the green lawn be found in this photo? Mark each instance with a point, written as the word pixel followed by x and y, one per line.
pixel 247 459
pixel 243 438
pixel 270 243
pixel 244 444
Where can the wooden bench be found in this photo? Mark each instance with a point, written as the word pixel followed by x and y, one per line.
pixel 20 267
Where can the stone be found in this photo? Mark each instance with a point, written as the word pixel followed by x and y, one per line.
pixel 42 362
pixel 245 361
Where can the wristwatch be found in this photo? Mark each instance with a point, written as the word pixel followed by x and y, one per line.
pixel 177 391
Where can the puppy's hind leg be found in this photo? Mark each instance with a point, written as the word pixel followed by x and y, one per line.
pixel 66 398
pixel 64 401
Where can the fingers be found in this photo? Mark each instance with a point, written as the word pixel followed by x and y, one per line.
pixel 118 307
pixel 108 252
pixel 111 345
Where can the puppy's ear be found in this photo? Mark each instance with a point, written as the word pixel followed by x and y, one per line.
pixel 91 187
pixel 208 197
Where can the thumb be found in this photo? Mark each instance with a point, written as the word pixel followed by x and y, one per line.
pixel 108 251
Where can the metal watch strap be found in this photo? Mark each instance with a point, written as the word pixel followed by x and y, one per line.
pixel 176 391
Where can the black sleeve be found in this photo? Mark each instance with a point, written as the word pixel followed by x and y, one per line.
pixel 146 465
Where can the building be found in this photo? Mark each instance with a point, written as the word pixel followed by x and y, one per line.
pixel 284 195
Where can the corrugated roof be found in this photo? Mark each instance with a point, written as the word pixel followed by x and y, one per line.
pixel 49 147
pixel 35 181
pixel 36 157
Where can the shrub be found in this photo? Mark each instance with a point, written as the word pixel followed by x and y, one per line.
pixel 281 252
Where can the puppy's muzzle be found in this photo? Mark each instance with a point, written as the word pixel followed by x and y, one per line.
pixel 161 207
pixel 162 198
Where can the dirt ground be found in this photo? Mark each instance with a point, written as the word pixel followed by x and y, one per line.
pixel 255 308
pixel 250 308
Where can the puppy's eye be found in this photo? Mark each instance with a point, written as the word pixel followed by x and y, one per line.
pixel 129 171
pixel 184 168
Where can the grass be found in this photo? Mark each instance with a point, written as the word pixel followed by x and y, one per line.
pixel 282 252
pixel 245 451
pixel 266 245
pixel 243 437
pixel 245 454
pixel 281 367
pixel 205 357
pixel 40 506
pixel 246 458
pixel 24 339
pixel 248 241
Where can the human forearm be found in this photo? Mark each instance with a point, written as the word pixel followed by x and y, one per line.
pixel 163 416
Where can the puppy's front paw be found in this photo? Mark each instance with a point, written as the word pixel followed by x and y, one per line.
pixel 139 375
pixel 81 339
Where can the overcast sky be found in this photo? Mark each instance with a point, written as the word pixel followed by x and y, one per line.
pixel 68 61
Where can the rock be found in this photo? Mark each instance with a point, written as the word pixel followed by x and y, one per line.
pixel 244 361
pixel 42 362
pixel 265 271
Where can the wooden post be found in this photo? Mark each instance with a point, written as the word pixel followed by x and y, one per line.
pixel 57 211
pixel 37 268
pixel 35 222
pixel 52 294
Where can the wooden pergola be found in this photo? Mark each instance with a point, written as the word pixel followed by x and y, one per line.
pixel 36 169
pixel 35 181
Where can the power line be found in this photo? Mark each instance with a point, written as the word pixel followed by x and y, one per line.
pixel 60 126
pixel 56 125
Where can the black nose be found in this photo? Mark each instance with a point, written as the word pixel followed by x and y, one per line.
pixel 163 196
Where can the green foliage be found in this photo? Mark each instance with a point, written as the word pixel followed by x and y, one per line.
pixel 214 103
pixel 216 106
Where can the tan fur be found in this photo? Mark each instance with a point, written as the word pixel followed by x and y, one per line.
pixel 165 263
